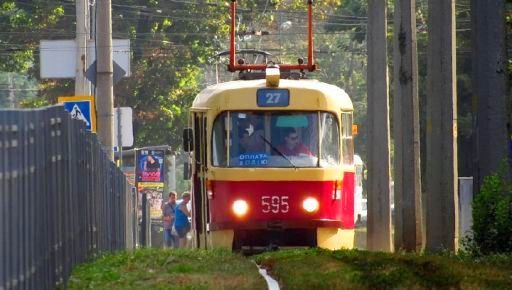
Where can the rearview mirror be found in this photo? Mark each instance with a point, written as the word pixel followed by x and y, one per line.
pixel 187 139
pixel 187 170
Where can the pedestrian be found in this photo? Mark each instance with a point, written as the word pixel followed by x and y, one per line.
pixel 181 223
pixel 169 216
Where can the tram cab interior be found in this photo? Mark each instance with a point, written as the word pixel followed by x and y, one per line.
pixel 275 139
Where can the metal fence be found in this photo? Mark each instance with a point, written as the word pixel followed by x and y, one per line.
pixel 62 201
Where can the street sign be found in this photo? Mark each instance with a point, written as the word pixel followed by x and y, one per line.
pixel 123 126
pixel 118 74
pixel 58 57
pixel 81 108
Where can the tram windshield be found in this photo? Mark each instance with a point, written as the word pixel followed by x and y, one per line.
pixel 276 139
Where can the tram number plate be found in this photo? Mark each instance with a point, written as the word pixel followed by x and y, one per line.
pixel 273 98
pixel 274 204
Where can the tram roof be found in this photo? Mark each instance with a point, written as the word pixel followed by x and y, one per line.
pixel 304 94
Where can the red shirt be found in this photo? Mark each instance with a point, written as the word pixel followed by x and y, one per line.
pixel 299 149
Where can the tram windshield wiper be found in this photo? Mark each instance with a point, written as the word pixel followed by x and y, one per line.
pixel 278 151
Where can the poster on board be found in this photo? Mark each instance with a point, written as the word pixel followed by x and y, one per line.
pixel 149 174
pixel 150 165
pixel 154 192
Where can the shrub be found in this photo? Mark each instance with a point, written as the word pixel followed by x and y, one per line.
pixel 492 217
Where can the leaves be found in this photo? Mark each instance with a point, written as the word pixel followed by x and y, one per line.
pixel 492 216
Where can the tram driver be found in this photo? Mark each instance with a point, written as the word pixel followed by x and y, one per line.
pixel 292 146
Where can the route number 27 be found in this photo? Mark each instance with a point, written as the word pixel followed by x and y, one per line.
pixel 274 204
pixel 272 98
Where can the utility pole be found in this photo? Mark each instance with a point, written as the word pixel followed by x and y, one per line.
pixel 379 215
pixel 442 216
pixel 490 91
pixel 82 87
pixel 408 211
pixel 104 81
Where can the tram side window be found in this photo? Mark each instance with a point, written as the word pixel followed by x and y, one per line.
pixel 347 140
pixel 330 138
pixel 219 137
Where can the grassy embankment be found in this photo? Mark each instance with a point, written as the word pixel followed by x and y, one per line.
pixel 294 269
pixel 168 269
pixel 321 269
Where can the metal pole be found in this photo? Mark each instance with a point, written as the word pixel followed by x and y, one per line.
pixel 379 216
pixel 119 136
pixel 232 47
pixel 105 90
pixel 82 34
pixel 441 178
pixel 408 211
pixel 144 222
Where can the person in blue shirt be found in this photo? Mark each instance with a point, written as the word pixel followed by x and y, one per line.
pixel 168 216
pixel 181 223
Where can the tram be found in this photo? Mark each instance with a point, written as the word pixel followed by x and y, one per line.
pixel 272 162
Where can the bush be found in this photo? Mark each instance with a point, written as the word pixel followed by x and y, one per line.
pixel 492 217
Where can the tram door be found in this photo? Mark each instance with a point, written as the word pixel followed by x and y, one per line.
pixel 200 200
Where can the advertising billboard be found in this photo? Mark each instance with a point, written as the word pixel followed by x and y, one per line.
pixel 150 165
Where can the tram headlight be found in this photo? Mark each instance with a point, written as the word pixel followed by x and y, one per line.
pixel 310 204
pixel 240 207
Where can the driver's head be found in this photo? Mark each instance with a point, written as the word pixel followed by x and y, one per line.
pixel 291 138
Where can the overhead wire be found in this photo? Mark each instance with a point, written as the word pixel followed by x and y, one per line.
pixel 346 21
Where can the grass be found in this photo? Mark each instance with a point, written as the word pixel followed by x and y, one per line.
pixel 354 269
pixel 168 269
pixel 294 269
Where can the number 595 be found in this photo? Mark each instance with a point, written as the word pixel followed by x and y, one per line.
pixel 274 204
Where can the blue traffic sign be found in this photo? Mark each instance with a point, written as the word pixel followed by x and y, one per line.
pixel 81 108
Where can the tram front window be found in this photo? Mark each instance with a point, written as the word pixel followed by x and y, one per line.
pixel 275 139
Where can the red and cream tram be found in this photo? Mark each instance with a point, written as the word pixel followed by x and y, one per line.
pixel 272 163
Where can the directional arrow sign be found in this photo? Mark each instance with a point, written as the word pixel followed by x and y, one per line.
pixel 119 73
pixel 81 108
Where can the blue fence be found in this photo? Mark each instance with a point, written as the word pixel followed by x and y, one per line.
pixel 61 200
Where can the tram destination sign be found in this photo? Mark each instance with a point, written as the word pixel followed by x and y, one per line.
pixel 273 98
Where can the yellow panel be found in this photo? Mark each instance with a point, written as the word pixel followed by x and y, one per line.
pixel 334 238
pixel 278 174
pixel 241 95
pixel 221 239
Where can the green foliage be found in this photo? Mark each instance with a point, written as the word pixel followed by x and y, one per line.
pixel 22 24
pixel 492 217
pixel 34 103
pixel 16 89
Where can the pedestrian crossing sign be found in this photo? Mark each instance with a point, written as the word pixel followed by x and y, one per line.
pixel 81 108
